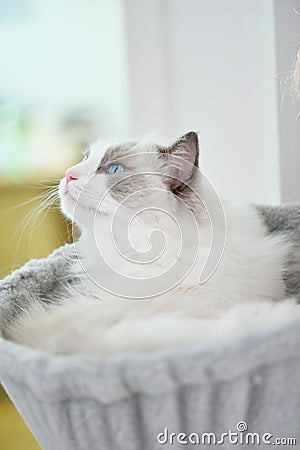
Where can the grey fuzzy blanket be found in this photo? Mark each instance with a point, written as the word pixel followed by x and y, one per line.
pixel 82 402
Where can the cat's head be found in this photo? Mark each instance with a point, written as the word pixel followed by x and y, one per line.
pixel 133 175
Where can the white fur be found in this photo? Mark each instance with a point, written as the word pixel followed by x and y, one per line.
pixel 79 327
pixel 237 300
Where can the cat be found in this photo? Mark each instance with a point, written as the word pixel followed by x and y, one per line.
pixel 147 221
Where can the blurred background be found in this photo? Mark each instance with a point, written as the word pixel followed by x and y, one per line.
pixel 74 71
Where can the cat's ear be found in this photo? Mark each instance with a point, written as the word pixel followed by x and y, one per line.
pixel 181 160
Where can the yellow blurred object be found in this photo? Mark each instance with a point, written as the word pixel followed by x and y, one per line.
pixel 21 241
pixel 14 434
pixel 18 244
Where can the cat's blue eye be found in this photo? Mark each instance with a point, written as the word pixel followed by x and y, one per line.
pixel 116 168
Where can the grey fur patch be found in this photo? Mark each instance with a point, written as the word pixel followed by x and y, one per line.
pixel 116 152
pixel 285 219
pixel 37 281
pixel 126 185
pixel 142 175
pixel 140 171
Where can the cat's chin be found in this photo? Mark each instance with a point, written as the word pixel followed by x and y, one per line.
pixel 68 203
pixel 78 212
pixel 72 208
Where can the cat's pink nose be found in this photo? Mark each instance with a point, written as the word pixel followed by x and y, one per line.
pixel 70 177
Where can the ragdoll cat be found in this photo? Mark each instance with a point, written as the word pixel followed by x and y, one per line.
pixel 147 221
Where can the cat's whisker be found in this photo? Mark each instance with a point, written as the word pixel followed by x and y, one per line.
pixel 46 200
pixel 31 200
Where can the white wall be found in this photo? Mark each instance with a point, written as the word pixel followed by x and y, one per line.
pixel 210 66
pixel 287 30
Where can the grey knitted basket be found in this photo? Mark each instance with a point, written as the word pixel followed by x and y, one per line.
pixel 124 403
pixel 89 402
